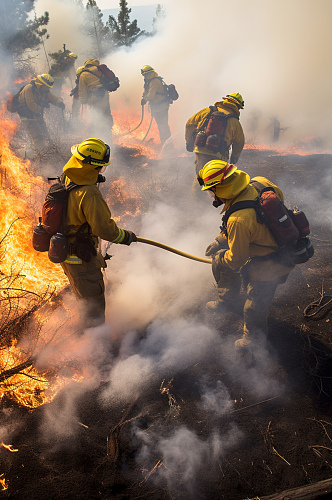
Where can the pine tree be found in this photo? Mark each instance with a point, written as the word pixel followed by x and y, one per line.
pixel 96 30
pixel 18 33
pixel 123 31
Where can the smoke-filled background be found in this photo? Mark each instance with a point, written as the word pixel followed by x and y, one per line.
pixel 276 54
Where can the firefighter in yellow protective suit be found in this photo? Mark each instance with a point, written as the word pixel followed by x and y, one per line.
pixel 233 135
pixel 62 69
pixel 154 94
pixel 92 92
pixel 247 252
pixel 88 217
pixel 33 98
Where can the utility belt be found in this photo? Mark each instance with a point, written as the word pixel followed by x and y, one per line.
pixel 83 249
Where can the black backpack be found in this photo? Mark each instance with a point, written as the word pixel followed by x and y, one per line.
pixel 169 91
pixel 13 102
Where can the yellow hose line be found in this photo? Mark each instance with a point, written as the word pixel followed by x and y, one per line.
pixel 174 250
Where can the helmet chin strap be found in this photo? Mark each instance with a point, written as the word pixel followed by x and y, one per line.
pixel 217 202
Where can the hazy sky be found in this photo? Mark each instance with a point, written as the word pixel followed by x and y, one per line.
pixel 114 4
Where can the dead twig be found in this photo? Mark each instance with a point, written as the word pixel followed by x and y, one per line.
pixel 275 451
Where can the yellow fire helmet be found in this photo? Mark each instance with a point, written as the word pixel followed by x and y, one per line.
pixel 236 98
pixel 214 172
pixel 45 79
pixel 79 70
pixel 72 55
pixel 146 69
pixel 92 151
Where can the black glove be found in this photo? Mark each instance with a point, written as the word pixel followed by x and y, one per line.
pixel 143 101
pixel 234 160
pixel 62 105
pixel 129 238
pixel 217 264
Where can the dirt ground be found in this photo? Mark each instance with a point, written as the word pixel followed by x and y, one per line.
pixel 280 440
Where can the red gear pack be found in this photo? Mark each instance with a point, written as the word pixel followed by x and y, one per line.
pixel 107 78
pixel 50 234
pixel 289 228
pixel 211 134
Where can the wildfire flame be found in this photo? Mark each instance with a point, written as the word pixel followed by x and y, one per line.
pixel 20 192
pixel 3 483
pixel 9 447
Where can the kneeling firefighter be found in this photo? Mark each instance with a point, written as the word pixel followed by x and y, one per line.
pixel 88 217
pixel 245 251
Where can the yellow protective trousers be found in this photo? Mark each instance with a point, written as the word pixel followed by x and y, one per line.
pixel 87 282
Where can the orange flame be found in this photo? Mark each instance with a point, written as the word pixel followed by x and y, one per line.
pixel 3 483
pixel 9 447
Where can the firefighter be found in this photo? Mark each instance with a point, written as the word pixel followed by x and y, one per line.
pixel 92 92
pixel 247 253
pixel 76 106
pixel 88 218
pixel 154 93
pixel 33 98
pixel 233 135
pixel 62 69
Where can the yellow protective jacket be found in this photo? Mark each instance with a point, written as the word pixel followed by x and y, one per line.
pixel 32 101
pixel 154 92
pixel 247 238
pixel 233 134
pixel 86 204
pixel 89 83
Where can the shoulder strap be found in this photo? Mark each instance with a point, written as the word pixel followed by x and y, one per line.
pixel 207 118
pixel 91 72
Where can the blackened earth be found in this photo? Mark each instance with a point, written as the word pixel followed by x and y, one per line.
pixel 286 439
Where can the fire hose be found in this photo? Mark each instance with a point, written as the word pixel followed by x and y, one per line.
pixel 140 123
pixel 148 129
pixel 174 250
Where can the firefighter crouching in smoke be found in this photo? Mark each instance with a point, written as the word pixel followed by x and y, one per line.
pixel 92 92
pixel 33 98
pixel 203 137
pixel 248 250
pixel 88 218
pixel 155 95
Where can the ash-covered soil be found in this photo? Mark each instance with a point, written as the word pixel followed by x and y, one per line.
pixel 265 442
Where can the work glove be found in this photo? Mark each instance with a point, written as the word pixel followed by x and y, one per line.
pixel 213 248
pixel 129 238
pixel 234 160
pixel 143 101
pixel 62 105
pixel 217 264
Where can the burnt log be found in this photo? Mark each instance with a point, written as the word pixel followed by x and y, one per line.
pixel 317 491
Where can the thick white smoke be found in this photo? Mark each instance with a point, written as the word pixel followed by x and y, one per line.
pixel 274 53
